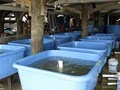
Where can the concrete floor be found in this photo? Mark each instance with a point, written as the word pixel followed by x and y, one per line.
pixel 16 83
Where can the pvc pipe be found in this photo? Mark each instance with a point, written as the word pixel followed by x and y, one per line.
pixel 109 75
pixel 112 83
pixel 112 79
pixel 60 64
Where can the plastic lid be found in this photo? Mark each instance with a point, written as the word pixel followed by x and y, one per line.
pixel 113 60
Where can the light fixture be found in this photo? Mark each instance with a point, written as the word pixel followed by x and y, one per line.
pixel 118 2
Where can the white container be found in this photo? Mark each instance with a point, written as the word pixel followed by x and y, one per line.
pixel 113 63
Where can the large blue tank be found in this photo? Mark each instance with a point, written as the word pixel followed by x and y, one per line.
pixel 40 79
pixel 59 39
pixel 8 55
pixel 47 45
pixel 87 47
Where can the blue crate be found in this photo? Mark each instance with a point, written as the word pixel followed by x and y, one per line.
pixel 48 45
pixel 88 47
pixel 8 55
pixel 36 79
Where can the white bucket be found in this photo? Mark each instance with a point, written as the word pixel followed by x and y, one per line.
pixel 112 65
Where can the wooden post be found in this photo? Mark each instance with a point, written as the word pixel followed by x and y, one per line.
pixel 96 19
pixel 1 22
pixel 19 23
pixel 84 20
pixel 37 25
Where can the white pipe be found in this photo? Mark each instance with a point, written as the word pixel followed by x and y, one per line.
pixel 109 75
pixel 112 79
pixel 112 83
pixel 60 64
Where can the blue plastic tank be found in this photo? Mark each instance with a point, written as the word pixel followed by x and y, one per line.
pixel 59 39
pixel 8 55
pixel 101 41
pixel 48 45
pixel 107 36
pixel 101 38
pixel 75 36
pixel 88 47
pixel 39 79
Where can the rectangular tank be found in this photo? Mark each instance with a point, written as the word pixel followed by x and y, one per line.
pixel 8 55
pixel 75 36
pixel 107 42
pixel 100 39
pixel 47 45
pixel 59 39
pixel 34 78
pixel 109 36
pixel 88 47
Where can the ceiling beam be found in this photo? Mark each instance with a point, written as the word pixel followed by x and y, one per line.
pixel 83 1
pixel 103 6
pixel 12 8
pixel 109 12
pixel 72 10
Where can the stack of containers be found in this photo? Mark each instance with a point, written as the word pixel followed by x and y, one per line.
pixel 48 45
pixel 8 55
pixel 88 47
pixel 33 78
pixel 59 39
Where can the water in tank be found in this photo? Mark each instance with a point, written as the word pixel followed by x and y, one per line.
pixel 64 65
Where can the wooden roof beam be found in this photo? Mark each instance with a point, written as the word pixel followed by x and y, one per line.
pixel 100 7
pixel 72 9
pixel 83 1
pixel 12 8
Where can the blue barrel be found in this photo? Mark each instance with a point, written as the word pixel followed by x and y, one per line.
pixel 36 79
pixel 48 45
pixel 59 39
pixel 88 47
pixel 8 55
pixel 114 29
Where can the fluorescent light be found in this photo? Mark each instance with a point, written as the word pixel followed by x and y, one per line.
pixel 118 2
